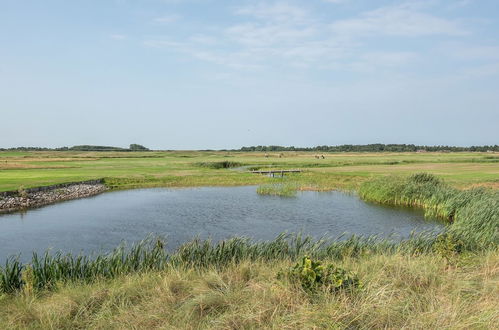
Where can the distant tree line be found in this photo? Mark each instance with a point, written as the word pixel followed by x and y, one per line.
pixel 133 147
pixel 377 147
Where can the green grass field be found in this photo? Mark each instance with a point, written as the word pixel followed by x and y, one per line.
pixel 446 282
pixel 147 169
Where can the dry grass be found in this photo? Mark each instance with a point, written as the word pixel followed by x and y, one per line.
pixel 400 291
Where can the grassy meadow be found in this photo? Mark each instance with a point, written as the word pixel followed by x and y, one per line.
pixel 449 281
pixel 191 168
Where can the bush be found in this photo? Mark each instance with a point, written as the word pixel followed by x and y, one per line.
pixel 219 165
pixel 312 276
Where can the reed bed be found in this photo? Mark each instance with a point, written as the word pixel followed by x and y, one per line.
pixel 473 213
pixel 47 271
pixel 278 189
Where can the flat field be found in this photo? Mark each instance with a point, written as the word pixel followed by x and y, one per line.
pixel 192 168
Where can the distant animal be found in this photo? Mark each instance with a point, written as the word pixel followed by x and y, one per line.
pixel 323 157
pixel 266 155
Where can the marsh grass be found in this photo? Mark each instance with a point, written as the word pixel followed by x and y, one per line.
pixel 278 189
pixel 399 291
pixel 47 271
pixel 474 213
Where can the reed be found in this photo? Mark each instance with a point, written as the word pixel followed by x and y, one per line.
pixel 473 214
pixel 278 189
pixel 47 271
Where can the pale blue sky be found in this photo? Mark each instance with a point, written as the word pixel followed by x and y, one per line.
pixel 195 74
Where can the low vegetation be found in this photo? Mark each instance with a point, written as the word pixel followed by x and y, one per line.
pixel 474 213
pixel 45 272
pixel 278 189
pixel 219 165
pixel 313 276
pixel 346 171
pixel 399 290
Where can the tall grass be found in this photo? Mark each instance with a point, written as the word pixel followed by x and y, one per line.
pixel 473 213
pixel 47 271
pixel 278 189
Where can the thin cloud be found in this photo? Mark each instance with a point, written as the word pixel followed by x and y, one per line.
pixel 280 12
pixel 118 36
pixel 166 19
pixel 283 34
pixel 336 1
pixel 401 20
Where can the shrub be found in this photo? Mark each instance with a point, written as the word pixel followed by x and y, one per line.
pixel 219 165
pixel 312 275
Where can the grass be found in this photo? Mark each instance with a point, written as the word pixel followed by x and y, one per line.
pixel 219 165
pixel 474 213
pixel 47 271
pixel 182 168
pixel 399 291
pixel 278 189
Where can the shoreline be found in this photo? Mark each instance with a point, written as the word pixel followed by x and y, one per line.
pixel 24 199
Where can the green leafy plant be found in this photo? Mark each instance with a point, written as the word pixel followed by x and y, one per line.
pixel 447 245
pixel 313 275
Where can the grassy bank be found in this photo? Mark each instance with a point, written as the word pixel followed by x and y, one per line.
pixel 399 290
pixel 474 213
pixel 47 271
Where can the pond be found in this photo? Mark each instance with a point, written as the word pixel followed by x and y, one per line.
pixel 102 222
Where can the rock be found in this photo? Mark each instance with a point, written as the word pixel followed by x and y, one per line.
pixel 50 196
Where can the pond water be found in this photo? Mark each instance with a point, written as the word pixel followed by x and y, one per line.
pixel 102 222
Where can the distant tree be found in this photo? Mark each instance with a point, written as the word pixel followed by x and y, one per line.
pixel 138 147
pixel 377 147
pixel 96 148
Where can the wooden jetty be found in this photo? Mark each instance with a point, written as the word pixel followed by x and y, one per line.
pixel 272 173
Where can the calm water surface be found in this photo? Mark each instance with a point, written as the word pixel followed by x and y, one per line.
pixel 100 223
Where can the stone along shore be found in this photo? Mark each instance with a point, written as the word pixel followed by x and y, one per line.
pixel 24 199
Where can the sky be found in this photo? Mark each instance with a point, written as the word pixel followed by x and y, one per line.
pixel 214 74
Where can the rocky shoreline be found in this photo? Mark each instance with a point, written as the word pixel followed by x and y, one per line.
pixel 36 197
